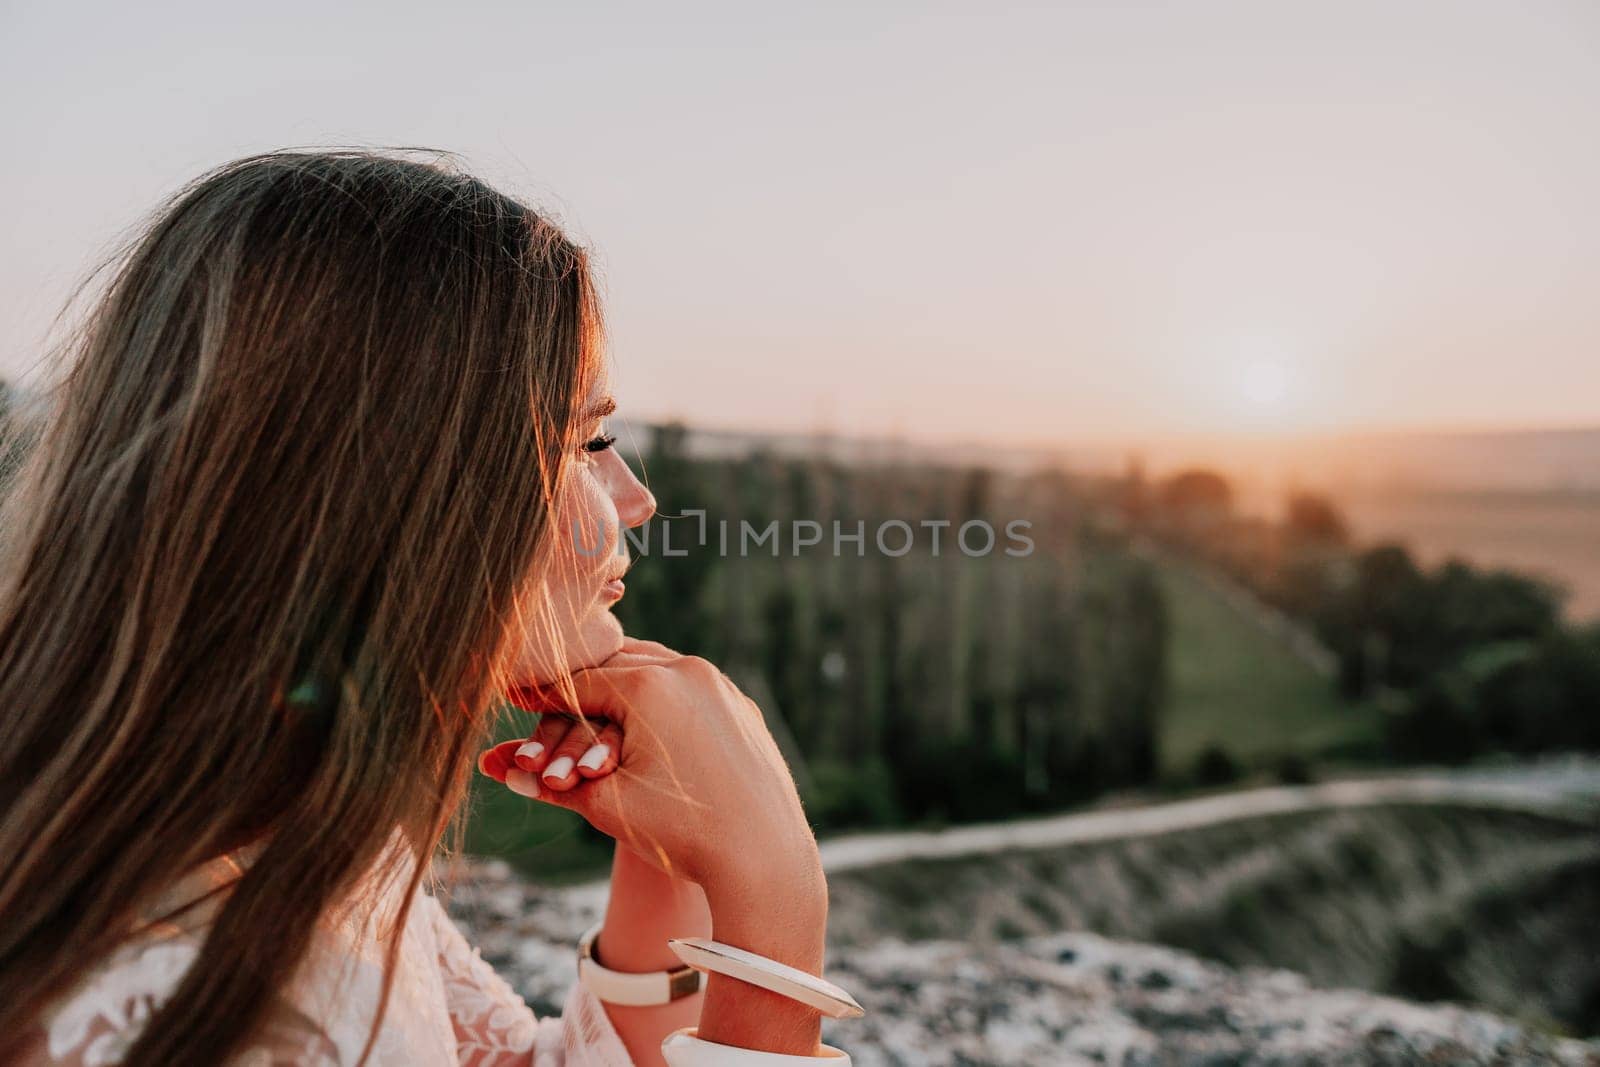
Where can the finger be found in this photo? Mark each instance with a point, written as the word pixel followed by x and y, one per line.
pixel 633 646
pixel 494 762
pixel 625 658
pixel 596 801
pixel 562 770
pixel 538 697
pixel 602 757
pixel 524 784
pixel 534 699
pixel 533 754
pixel 599 692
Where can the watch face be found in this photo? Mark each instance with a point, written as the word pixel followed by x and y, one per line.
pixel 684 982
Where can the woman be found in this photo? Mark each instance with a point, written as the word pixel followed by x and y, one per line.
pixel 318 493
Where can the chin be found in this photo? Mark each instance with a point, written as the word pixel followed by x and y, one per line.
pixel 597 640
pixel 600 640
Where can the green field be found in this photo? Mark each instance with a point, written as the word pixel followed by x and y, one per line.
pixel 1236 686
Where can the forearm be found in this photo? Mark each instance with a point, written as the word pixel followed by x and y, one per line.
pixel 782 918
pixel 645 909
pixel 785 920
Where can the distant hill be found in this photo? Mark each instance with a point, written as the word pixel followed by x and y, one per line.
pixel 1562 460
pixel 1526 500
pixel 1537 460
pixel 1552 460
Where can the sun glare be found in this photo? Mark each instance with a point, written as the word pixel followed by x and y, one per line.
pixel 1260 391
pixel 1264 386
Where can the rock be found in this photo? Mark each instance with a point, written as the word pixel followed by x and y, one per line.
pixel 1054 1001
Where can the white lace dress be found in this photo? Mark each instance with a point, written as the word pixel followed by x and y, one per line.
pixel 447 1007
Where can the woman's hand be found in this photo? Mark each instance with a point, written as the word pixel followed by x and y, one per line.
pixel 699 787
pixel 693 782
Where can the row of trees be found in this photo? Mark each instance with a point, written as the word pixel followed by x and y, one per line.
pixel 1482 658
pixel 1468 660
pixel 911 679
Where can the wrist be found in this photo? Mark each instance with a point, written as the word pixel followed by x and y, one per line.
pixel 784 921
pixel 647 906
pixel 781 914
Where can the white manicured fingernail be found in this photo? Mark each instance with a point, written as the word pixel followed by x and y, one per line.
pixel 594 757
pixel 559 769
pixel 522 783
pixel 530 750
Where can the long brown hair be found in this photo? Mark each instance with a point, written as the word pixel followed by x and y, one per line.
pixel 258 568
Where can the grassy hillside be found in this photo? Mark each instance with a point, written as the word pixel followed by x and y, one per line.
pixel 1237 687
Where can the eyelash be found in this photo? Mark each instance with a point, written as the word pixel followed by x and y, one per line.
pixel 600 444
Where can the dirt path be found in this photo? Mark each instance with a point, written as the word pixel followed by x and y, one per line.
pixel 1569 788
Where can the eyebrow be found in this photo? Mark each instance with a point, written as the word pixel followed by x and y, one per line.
pixel 601 409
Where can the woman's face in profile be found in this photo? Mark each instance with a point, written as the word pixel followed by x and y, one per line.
pixel 567 618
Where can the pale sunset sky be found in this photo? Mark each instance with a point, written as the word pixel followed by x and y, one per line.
pixel 990 221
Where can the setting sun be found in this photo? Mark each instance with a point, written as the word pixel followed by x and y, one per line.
pixel 1264 386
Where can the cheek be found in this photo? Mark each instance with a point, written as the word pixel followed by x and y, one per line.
pixel 590 529
pixel 573 535
pixel 566 596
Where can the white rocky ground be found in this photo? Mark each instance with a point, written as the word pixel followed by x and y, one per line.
pixel 1058 1000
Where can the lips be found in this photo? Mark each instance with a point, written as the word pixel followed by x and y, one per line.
pixel 612 589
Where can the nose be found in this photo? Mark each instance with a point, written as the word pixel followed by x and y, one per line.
pixel 633 501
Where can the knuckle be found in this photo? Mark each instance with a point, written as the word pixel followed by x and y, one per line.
pixel 697 668
pixel 575 741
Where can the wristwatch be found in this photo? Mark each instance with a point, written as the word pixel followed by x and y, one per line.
pixel 633 989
